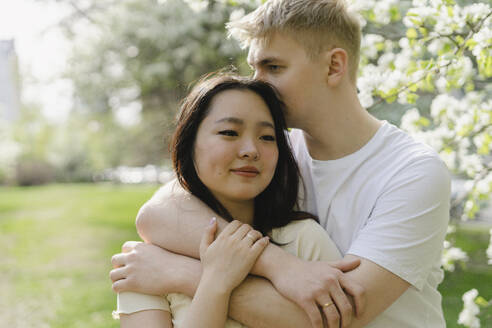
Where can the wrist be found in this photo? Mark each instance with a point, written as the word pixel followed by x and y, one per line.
pixel 273 262
pixel 188 276
pixel 214 284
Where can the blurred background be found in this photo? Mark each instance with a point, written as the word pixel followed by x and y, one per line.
pixel 88 94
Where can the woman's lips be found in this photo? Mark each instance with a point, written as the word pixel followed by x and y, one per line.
pixel 246 171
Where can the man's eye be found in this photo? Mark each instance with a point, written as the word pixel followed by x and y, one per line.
pixel 229 133
pixel 268 138
pixel 273 68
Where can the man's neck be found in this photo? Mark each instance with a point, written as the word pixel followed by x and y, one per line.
pixel 340 132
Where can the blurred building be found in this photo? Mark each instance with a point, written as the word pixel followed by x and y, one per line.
pixel 9 82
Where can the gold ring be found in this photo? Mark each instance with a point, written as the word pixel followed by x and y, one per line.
pixel 328 304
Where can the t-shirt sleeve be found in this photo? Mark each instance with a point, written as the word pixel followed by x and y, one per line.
pixel 131 302
pixel 407 226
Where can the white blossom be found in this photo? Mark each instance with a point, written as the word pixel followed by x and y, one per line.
pixel 368 45
pixel 449 158
pixel 236 14
pixel 471 164
pixel 450 255
pixel 197 5
pixel 409 119
pixel 468 316
pixel 476 11
pixel 483 186
pixel 483 40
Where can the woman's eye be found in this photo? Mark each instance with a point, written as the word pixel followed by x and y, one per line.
pixel 229 133
pixel 268 138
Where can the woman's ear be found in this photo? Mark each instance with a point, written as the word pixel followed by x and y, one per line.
pixel 337 66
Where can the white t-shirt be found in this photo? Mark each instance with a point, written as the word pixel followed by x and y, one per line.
pixel 389 203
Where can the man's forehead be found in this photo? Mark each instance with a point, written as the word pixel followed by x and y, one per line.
pixel 259 51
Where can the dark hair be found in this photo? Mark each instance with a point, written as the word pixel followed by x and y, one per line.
pixel 274 206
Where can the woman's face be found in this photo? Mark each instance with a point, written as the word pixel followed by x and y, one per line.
pixel 235 151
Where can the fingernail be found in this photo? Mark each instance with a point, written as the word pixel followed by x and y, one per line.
pixel 213 220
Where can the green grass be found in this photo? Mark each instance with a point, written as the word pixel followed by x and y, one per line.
pixel 56 242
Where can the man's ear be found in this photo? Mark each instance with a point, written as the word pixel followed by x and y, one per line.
pixel 337 65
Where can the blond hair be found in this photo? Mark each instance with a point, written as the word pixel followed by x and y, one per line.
pixel 318 25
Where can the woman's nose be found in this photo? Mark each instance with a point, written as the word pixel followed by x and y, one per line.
pixel 248 150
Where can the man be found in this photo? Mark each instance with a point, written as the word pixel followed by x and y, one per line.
pixel 382 197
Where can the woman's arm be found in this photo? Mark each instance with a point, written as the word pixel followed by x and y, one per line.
pixel 226 262
pixel 147 319
pixel 209 306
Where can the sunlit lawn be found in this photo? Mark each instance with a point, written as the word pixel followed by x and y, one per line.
pixel 56 242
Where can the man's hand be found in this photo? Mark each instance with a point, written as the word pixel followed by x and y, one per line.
pixel 149 269
pixel 316 286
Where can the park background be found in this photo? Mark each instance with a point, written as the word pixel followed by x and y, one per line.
pixel 88 94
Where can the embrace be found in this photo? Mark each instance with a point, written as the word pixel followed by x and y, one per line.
pixel 337 222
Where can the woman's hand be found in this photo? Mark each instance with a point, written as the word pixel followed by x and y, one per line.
pixel 228 259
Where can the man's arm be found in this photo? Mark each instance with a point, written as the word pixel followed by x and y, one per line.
pixel 149 269
pixel 175 220
pixel 255 303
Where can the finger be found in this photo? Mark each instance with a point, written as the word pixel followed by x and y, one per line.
pixel 357 292
pixel 117 274
pixel 259 246
pixel 314 314
pixel 129 246
pixel 345 265
pixel 120 286
pixel 252 236
pixel 343 305
pixel 331 312
pixel 118 260
pixel 231 228
pixel 208 236
pixel 242 231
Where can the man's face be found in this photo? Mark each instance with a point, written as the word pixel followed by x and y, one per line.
pixel 284 63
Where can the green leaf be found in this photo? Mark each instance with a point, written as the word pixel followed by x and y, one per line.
pixel 481 301
pixel 412 33
pixel 423 121
pixel 450 11
pixel 413 87
pixel 391 99
pixel 469 86
pixel 395 13
pixel 470 43
pixel 412 98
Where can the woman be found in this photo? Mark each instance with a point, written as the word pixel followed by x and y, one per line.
pixel 230 150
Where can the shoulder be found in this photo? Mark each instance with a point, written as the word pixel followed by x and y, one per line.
pixel 295 229
pixel 409 159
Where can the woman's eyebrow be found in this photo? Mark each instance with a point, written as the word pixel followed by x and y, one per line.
pixel 266 123
pixel 234 120
pixel 239 121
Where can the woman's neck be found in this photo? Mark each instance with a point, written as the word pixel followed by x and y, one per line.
pixel 241 210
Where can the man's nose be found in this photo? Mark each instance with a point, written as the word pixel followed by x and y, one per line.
pixel 257 75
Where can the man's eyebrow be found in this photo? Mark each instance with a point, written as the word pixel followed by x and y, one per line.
pixel 263 61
